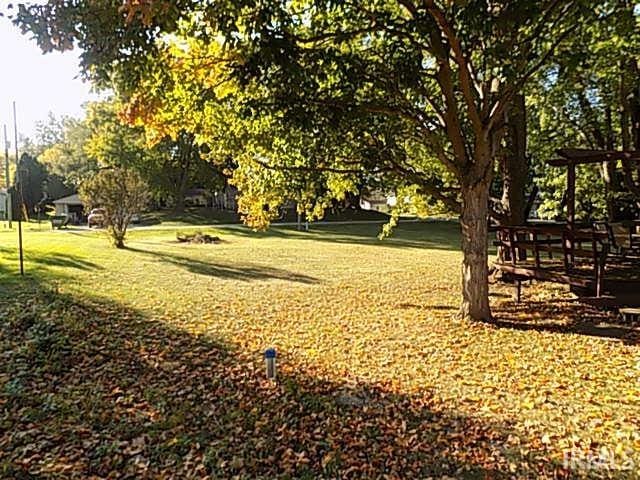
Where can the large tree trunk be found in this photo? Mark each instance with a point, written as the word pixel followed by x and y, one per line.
pixel 634 103
pixel 626 124
pixel 182 185
pixel 475 271
pixel 179 206
pixel 515 166
pixel 186 147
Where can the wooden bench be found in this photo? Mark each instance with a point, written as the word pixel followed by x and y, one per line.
pixel 630 314
pixel 579 247
pixel 623 238
pixel 634 236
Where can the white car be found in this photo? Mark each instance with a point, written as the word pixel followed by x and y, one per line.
pixel 96 217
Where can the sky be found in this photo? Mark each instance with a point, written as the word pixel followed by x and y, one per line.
pixel 38 83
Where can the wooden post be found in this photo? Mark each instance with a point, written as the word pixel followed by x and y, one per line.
pixel 571 193
pixel 571 206
pixel 499 241
pixel 596 264
pixel 512 246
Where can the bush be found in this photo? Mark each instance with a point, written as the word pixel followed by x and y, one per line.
pixel 121 193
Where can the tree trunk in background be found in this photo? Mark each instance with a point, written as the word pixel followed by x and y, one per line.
pixel 183 183
pixel 515 166
pixel 186 147
pixel 634 107
pixel 626 124
pixel 180 194
pixel 609 168
pixel 608 175
pixel 352 200
pixel 475 271
pixel 634 104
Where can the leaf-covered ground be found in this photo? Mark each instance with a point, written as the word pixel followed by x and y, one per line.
pixel 146 363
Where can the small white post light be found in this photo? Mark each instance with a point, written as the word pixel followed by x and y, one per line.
pixel 270 360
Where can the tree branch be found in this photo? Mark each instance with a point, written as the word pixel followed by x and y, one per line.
pixel 500 105
pixel 464 65
pixel 423 183
pixel 302 168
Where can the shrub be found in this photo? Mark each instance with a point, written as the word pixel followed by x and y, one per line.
pixel 121 193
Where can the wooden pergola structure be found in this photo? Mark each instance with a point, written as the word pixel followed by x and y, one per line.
pixel 599 261
pixel 571 158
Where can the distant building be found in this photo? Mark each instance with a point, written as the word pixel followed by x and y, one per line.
pixel 197 197
pixel 377 201
pixel 70 206
pixel 3 203
pixel 226 199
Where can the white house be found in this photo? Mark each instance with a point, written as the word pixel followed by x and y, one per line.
pixel 197 197
pixel 70 206
pixel 377 201
pixel 226 199
pixel 4 197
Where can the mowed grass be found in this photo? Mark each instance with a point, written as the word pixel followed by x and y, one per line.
pixel 147 362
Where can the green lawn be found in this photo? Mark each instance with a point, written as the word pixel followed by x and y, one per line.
pixel 147 362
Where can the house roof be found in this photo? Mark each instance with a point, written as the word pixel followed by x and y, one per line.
pixel 70 200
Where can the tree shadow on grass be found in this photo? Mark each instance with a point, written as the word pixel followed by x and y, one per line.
pixel 38 269
pixel 564 316
pixel 95 389
pixel 193 216
pixel 51 259
pixel 62 260
pixel 433 235
pixel 232 271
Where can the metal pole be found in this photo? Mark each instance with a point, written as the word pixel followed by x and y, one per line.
pixel 15 128
pixel 15 131
pixel 7 179
pixel 20 244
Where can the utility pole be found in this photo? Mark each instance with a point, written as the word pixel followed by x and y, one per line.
pixel 15 132
pixel 9 207
pixel 21 209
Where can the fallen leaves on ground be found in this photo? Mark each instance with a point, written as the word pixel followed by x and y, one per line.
pixel 155 371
